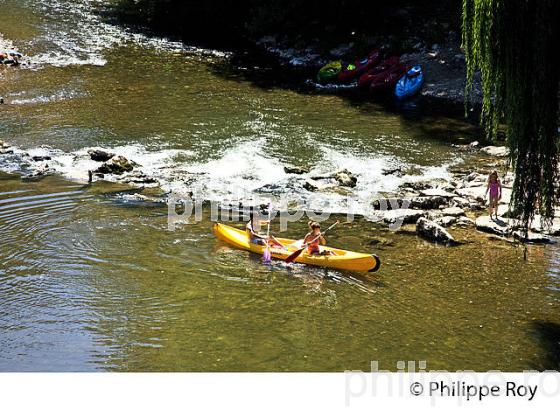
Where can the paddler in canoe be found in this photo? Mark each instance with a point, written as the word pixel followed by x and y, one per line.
pixel 315 238
pixel 253 229
pixel 336 259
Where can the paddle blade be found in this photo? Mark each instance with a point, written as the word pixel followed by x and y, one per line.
pixel 266 255
pixel 294 255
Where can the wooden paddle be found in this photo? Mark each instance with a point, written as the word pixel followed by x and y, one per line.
pixel 294 255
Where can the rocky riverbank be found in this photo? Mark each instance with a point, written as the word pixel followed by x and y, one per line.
pixel 432 207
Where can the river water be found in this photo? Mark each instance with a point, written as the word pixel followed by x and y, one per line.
pixel 91 279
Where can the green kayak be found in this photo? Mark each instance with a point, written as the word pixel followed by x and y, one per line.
pixel 329 72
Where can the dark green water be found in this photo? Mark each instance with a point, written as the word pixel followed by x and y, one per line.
pixel 90 280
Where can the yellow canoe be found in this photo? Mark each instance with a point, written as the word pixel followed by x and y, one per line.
pixel 340 259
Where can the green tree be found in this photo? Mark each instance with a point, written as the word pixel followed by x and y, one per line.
pixel 515 45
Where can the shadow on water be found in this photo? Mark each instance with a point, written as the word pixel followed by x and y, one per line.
pixel 548 335
pixel 441 120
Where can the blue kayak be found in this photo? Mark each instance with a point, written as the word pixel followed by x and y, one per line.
pixel 410 83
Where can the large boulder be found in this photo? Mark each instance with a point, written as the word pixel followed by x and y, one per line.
pixel 346 178
pixel 99 154
pixel 116 165
pixel 432 231
pixel 501 226
pixel 495 151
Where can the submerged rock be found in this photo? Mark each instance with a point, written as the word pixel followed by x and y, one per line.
pixel 42 170
pixel 288 169
pixel 39 158
pixel 116 165
pixel 138 177
pixel 393 171
pixel 407 216
pixel 99 154
pixel 432 231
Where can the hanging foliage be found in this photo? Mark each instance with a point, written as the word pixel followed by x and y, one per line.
pixel 515 45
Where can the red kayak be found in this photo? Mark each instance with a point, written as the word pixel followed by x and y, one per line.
pixel 354 70
pixel 388 79
pixel 384 66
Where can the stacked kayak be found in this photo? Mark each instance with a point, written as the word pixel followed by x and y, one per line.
pixel 338 259
pixel 353 70
pixel 376 75
pixel 376 72
pixel 387 80
pixel 410 83
pixel 329 72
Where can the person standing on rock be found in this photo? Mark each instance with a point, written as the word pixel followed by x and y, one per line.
pixel 494 187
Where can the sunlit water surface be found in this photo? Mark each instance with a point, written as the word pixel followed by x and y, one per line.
pixel 92 281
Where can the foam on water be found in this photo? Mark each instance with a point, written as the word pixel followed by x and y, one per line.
pixel 60 95
pixel 77 35
pixel 245 173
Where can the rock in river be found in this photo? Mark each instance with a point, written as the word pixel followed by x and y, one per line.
pixel 453 211
pixel 501 226
pixel 310 185
pixel 288 169
pixel 445 221
pixel 99 154
pixel 38 158
pixel 428 202
pixel 346 178
pixel 407 216
pixel 433 232
pixel 495 151
pixel 116 165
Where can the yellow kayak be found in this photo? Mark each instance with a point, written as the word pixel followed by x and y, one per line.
pixel 340 259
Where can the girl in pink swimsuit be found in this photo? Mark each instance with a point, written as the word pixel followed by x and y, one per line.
pixel 495 188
